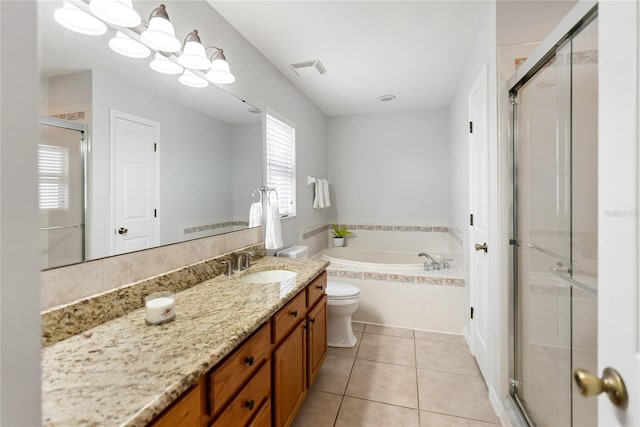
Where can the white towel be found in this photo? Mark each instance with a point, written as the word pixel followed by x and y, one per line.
pixel 325 193
pixel 320 190
pixel 255 214
pixel 316 197
pixel 273 232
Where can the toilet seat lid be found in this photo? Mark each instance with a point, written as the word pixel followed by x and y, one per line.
pixel 337 290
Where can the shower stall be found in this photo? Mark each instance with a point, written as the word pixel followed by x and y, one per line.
pixel 554 229
pixel 61 192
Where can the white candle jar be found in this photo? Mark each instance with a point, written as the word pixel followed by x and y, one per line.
pixel 160 307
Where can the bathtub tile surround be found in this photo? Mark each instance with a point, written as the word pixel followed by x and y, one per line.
pixel 71 319
pixel 395 391
pixel 214 226
pixel 315 231
pixel 402 278
pixel 374 227
pixel 156 364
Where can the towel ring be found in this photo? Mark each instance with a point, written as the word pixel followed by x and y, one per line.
pixel 253 195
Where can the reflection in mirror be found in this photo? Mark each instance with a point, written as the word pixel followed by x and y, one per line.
pixel 134 159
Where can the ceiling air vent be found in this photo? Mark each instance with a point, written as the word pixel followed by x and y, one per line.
pixel 309 68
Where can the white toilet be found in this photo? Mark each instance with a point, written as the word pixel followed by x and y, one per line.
pixel 342 302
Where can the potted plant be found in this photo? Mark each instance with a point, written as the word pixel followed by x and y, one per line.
pixel 339 233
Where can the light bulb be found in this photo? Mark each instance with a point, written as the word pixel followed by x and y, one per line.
pixel 220 73
pixel 165 65
pixel 125 45
pixel 74 19
pixel 190 79
pixel 116 12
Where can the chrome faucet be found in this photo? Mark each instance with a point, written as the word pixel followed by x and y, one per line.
pixel 243 256
pixel 434 264
pixel 228 267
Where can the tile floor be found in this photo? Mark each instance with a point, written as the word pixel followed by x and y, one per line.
pixel 398 377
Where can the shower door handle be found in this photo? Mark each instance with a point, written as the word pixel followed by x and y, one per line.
pixel 482 247
pixel 610 383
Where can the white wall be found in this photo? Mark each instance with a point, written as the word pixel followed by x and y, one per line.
pixel 390 168
pixel 247 151
pixel 483 55
pixel 19 279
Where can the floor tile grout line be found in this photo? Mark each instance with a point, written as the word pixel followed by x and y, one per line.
pixel 415 352
pixel 452 373
pixel 386 363
pixel 459 416
pixel 381 403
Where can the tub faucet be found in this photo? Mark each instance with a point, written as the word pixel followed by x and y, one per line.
pixel 434 264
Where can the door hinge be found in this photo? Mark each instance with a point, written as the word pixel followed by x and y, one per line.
pixel 514 386
pixel 155 147
pixel 471 312
pixel 513 99
pixel 512 241
pixel 470 219
pixel 470 127
pixel 155 213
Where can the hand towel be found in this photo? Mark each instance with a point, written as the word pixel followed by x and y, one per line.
pixel 255 214
pixel 273 232
pixel 321 198
pixel 316 197
pixel 327 197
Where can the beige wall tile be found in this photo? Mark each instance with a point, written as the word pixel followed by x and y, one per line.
pixel 63 285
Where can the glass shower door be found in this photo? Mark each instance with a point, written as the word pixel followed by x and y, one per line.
pixel 555 201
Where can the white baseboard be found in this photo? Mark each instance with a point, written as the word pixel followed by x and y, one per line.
pixel 467 338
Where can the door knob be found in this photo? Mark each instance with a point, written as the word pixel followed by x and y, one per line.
pixel 122 230
pixel 611 383
pixel 482 247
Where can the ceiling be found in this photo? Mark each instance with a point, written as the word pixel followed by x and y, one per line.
pixel 415 50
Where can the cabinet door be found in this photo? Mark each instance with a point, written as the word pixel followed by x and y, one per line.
pixel 185 412
pixel 317 346
pixel 290 382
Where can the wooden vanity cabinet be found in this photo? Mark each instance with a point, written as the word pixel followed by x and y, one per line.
pixel 264 381
pixel 317 339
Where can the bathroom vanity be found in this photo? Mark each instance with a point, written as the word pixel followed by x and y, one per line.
pixel 237 354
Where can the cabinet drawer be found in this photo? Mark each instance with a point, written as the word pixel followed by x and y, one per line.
pixel 184 413
pixel 225 380
pixel 263 417
pixel 316 289
pixel 249 401
pixel 289 316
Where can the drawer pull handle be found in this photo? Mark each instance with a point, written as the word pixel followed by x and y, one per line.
pixel 319 287
pixel 249 404
pixel 294 313
pixel 306 327
pixel 312 320
pixel 249 360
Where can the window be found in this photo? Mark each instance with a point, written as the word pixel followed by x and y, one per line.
pixel 281 163
pixel 53 177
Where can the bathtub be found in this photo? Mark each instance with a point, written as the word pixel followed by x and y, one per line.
pixel 396 291
pixel 407 263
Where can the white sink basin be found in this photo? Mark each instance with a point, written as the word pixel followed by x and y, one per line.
pixel 269 276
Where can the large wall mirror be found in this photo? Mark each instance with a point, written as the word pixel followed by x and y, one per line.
pixel 129 158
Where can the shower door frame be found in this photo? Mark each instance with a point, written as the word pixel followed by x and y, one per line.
pixel 84 155
pixel 577 19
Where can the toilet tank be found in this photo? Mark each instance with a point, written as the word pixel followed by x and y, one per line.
pixel 297 251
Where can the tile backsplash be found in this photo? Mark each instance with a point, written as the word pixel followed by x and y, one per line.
pixel 67 284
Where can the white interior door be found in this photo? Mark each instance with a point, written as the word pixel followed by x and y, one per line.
pixel 135 182
pixel 618 188
pixel 479 225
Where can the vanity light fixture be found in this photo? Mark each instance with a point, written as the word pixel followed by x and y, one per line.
pixel 74 19
pixel 164 65
pixel 125 45
pixel 160 34
pixel 188 78
pixel 193 54
pixel 116 12
pixel 220 72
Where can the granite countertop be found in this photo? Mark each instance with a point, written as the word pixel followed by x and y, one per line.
pixel 125 372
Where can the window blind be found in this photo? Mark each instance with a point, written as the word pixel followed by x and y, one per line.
pixel 53 177
pixel 281 163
